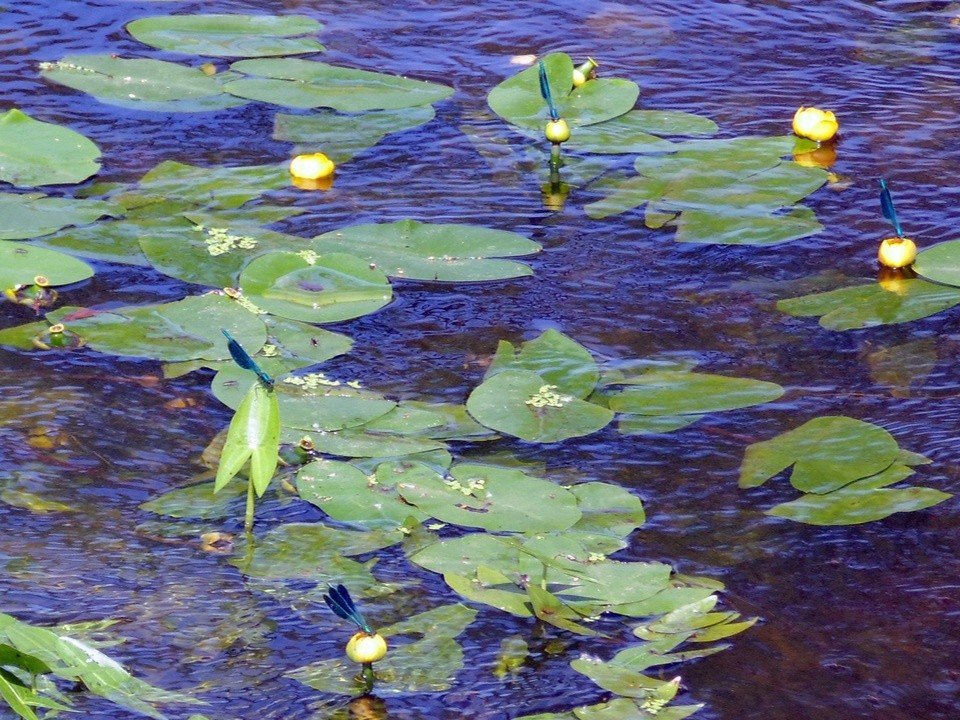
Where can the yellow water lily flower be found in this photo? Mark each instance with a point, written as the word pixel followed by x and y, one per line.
pixel 897 252
pixel 815 124
pixel 311 167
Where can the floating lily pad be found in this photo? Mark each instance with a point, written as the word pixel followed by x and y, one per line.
pixel 315 288
pixel 341 136
pixel 735 191
pixel 109 78
pixel 827 453
pixel 212 187
pixel 609 514
pixel 940 263
pixel 558 359
pixel 630 424
pixel 433 251
pixel 875 304
pixel 229 35
pixel 357 442
pixel 309 551
pixel 183 330
pixel 347 494
pixel 212 254
pixel 851 506
pixel 39 153
pixel 690 393
pixel 34 214
pixel 21 263
pixel 496 499
pixel 198 501
pixel 292 82
pixel 637 132
pixel 518 101
pixel 523 404
pixel 320 407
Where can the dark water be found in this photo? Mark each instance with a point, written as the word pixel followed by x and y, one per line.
pixel 858 622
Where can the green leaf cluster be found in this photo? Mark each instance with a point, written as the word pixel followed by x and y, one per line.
pixel 844 467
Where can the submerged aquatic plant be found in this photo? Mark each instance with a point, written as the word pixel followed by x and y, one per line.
pixel 31 657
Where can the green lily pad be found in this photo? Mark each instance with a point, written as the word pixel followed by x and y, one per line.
pixel 690 393
pixel 748 228
pixel 326 406
pixel 108 78
pixel 345 492
pixel 212 187
pixel 294 345
pixel 940 263
pixel 556 358
pixel 609 514
pixel 198 501
pixel 734 191
pixel 518 101
pixel 492 498
pixel 183 330
pixel 339 136
pixel 211 255
pixel 228 35
pixel 309 550
pixel 637 132
pixel 315 288
pixel 875 304
pixel 433 251
pixel 851 506
pixel 38 153
pixel 523 404
pixel 630 424
pixel 34 214
pixel 826 452
pixel 292 82
pixel 21 263
pixel 357 442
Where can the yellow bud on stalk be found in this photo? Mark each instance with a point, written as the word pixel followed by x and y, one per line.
pixel 897 252
pixel 366 648
pixel 557 131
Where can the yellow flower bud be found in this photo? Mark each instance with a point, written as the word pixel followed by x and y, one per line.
pixel 311 167
pixel 584 72
pixel 366 648
pixel 815 124
pixel 897 252
pixel 557 131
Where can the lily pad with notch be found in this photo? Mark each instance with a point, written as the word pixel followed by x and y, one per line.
pixel 518 100
pixel 433 252
pixel 523 404
pixel 326 288
pixel 558 359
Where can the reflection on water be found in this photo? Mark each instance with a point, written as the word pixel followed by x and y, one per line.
pixel 858 622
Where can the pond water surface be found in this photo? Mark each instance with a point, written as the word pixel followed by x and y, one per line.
pixel 857 622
